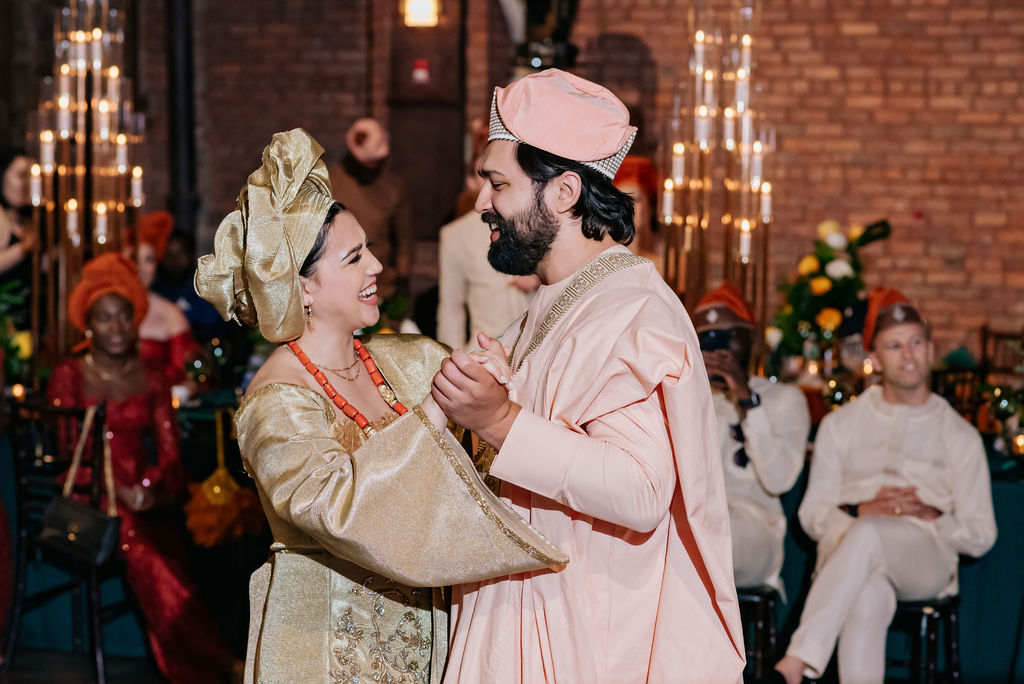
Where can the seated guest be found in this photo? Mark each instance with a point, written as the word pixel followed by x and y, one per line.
pixel 107 306
pixel 762 430
pixel 165 337
pixel 899 486
pixel 17 239
pixel 174 275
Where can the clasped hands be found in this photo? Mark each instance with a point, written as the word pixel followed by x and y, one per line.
pixel 898 501
pixel 472 390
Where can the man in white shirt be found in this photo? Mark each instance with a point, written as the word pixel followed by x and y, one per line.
pixel 899 486
pixel 762 431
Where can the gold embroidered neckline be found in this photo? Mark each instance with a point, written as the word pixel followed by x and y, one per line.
pixel 585 279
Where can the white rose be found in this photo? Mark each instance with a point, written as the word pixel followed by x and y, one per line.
pixel 837 269
pixel 836 240
pixel 772 337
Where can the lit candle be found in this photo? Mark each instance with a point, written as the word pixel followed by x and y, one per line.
pixel 756 167
pixel 766 202
pixel 97 48
pixel 64 116
pixel 79 40
pixel 35 185
pixel 745 52
pixel 103 120
pixel 137 186
pixel 114 85
pixel 46 150
pixel 698 51
pixel 101 223
pixel 71 207
pixel 677 163
pixel 703 128
pixel 729 124
pixel 745 241
pixel 668 201
pixel 742 89
pixel 121 153
pixel 746 130
pixel 64 81
pixel 709 89
pixel 688 237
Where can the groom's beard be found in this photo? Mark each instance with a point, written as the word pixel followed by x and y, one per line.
pixel 523 239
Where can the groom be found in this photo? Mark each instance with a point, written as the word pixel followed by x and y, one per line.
pixel 604 436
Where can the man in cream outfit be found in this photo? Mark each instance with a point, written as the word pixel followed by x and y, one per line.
pixel 899 486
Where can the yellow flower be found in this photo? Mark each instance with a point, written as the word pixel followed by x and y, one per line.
pixel 22 340
pixel 826 228
pixel 829 318
pixel 856 230
pixel 808 265
pixel 820 285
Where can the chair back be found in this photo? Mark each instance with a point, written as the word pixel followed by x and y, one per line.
pixel 43 439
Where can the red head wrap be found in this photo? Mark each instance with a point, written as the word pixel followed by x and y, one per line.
pixel 726 296
pixel 639 170
pixel 109 272
pixel 154 228
pixel 883 313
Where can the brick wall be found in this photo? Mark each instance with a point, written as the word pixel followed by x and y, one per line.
pixel 905 109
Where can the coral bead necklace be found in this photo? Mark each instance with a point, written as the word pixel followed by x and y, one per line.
pixel 348 409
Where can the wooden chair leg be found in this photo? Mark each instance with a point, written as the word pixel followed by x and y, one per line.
pixel 953 644
pixel 931 664
pixel 96 620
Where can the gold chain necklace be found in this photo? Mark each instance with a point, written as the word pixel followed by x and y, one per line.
pixel 340 372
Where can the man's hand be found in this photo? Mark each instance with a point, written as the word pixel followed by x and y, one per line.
pixel 469 395
pixel 897 501
pixel 723 363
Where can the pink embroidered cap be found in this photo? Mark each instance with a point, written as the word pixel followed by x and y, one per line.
pixel 564 114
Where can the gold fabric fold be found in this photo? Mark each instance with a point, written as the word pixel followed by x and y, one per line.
pixel 253 274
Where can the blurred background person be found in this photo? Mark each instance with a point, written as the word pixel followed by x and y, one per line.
pixel 17 240
pixel 173 281
pixel 638 179
pixel 165 336
pixel 762 429
pixel 377 197
pixel 107 306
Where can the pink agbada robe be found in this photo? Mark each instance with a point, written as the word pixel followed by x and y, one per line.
pixel 615 459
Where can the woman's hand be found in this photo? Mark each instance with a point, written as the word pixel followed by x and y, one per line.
pixel 494 358
pixel 136 498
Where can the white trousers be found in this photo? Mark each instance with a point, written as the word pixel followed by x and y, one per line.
pixel 853 596
pixel 756 546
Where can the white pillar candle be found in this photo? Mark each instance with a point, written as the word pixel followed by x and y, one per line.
pixel 101 223
pixel 678 163
pixel 103 120
pixel 137 186
pixel 64 116
pixel 121 153
pixel 729 128
pixel 46 150
pixel 745 241
pixel 668 201
pixel 97 49
pixel 35 185
pixel 766 202
pixel 698 51
pixel 71 207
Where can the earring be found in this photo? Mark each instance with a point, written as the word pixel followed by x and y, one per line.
pixel 88 332
pixel 308 308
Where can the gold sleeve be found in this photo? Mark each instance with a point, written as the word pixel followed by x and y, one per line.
pixel 407 504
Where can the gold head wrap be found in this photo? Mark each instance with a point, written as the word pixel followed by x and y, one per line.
pixel 253 274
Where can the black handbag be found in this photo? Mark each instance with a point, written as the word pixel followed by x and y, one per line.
pixel 78 529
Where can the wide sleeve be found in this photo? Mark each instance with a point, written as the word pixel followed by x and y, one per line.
pixel 970 526
pixel 451 291
pixel 407 504
pixel 776 438
pixel 819 512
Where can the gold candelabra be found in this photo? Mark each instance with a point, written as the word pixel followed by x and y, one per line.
pixel 87 183
pixel 716 154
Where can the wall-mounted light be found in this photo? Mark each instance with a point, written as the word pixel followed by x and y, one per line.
pixel 421 13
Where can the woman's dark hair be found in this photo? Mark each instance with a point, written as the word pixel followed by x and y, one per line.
pixel 7 157
pixel 603 208
pixel 320 244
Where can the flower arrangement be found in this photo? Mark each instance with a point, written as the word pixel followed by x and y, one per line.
pixel 15 345
pixel 827 291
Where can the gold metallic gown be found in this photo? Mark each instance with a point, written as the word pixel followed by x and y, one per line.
pixel 360 526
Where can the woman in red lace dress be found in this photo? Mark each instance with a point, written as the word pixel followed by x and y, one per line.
pixel 165 337
pixel 107 306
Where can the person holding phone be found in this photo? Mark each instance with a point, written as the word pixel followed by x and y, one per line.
pixel 762 431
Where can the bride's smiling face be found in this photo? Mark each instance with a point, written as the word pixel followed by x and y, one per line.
pixel 342 287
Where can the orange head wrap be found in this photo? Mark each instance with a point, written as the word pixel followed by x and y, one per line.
pixel 639 170
pixel 706 313
pixel 154 228
pixel 109 272
pixel 887 308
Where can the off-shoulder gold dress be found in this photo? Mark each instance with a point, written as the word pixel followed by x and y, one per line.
pixel 362 526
